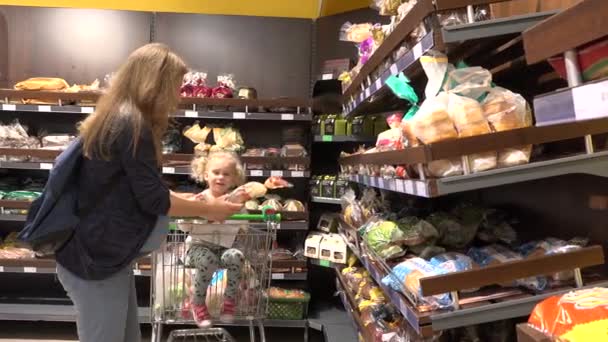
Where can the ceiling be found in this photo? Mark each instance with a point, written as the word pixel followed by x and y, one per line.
pixel 306 9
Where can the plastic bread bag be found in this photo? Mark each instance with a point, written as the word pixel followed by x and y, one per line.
pixel 444 168
pixel 294 206
pixel 355 33
pixel 506 110
pixel 273 202
pixel 246 192
pixel 469 120
pixel 385 238
pixel 351 210
pixel 196 134
pixel 416 231
pixel 391 139
pixel 225 87
pixel 497 254
pixel 452 233
pixel 387 7
pixel 435 65
pixel 496 227
pixel 432 123
pixel 549 246
pixel 276 182
pixel 454 262
pixel 577 316
pixel 405 8
pixel 366 49
pixel 471 82
pixel 406 276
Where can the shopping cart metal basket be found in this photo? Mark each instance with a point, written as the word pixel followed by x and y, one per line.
pixel 171 278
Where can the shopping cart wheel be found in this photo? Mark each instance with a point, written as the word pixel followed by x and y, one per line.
pixel 194 335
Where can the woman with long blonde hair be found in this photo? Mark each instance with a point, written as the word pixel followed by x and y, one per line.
pixel 123 201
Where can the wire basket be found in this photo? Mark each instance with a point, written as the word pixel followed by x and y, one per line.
pixel 195 335
pixel 288 308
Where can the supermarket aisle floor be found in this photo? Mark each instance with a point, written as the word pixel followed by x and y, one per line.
pixel 66 332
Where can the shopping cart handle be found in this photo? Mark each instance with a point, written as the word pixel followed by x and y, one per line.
pixel 268 215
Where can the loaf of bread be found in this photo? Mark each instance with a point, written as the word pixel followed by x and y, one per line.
pixel 432 122
pixel 470 121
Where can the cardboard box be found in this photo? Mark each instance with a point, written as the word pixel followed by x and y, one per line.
pixel 339 251
pixel 326 248
pixel 527 333
pixel 328 223
pixel 521 7
pixel 312 245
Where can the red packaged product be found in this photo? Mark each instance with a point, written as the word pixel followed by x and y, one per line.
pixel 575 317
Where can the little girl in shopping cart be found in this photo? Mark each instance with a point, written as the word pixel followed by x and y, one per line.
pixel 222 171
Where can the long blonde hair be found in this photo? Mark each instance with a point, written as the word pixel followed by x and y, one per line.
pixel 145 90
pixel 199 166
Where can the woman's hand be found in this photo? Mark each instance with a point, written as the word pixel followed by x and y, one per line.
pixel 220 208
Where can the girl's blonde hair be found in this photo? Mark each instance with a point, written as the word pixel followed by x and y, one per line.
pixel 199 166
pixel 144 91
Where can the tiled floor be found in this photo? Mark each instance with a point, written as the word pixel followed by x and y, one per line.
pixel 66 332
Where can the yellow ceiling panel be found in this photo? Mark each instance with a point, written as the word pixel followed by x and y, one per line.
pixel 269 8
pixel 331 7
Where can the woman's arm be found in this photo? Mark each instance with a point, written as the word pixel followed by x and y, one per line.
pixel 213 209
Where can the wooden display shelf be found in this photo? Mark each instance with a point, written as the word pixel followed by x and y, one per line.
pixel 55 96
pixel 484 43
pixel 576 26
pixel 48 266
pixel 491 302
pixel 481 143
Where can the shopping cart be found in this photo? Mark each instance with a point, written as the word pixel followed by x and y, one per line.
pixel 171 278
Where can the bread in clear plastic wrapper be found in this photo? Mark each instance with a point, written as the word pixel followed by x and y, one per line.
pixel 469 120
pixel 355 33
pixel 505 111
pixel 432 123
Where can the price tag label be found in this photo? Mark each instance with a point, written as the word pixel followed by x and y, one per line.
pixel 325 77
pixel 257 173
pixel 421 189
pixel 30 270
pixel 137 272
pixel 390 185
pixel 399 185
pixel 278 276
pixel 299 174
pixel 286 116
pixel 239 115
pixel 417 51
pixel 277 173
pixel 1 268
pixel 367 92
pixel 324 263
pixel 381 183
pixel 10 107
pixel 378 84
pixel 591 101
pixel 46 166
pixel 191 114
pixel 374 182
pixel 327 138
pixel 44 109
pixel 393 69
pixel 169 170
pixel 87 110
pixel 409 187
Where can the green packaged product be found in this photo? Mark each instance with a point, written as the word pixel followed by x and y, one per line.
pixel 341 186
pixel 362 126
pixel 328 186
pixel 315 186
pixel 318 125
pixel 21 196
pixel 330 124
pixel 340 126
